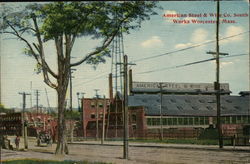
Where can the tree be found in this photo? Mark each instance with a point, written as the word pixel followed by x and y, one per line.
pixel 63 23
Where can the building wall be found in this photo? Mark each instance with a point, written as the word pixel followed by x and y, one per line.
pixel 89 114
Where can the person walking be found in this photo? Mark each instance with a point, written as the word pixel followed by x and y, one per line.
pixel 17 141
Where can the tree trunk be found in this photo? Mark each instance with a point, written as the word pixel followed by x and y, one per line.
pixel 62 147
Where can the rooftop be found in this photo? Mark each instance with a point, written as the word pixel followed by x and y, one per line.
pixel 191 105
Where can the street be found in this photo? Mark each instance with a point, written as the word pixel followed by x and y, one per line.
pixel 112 152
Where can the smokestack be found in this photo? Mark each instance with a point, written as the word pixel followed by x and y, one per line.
pixel 130 81
pixel 110 87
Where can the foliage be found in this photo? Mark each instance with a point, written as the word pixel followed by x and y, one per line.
pixel 75 115
pixel 2 107
pixel 63 23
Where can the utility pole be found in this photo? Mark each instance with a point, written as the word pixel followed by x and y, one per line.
pixel 70 104
pixel 37 99
pixel 103 119
pixel 48 100
pixel 24 123
pixel 83 115
pixel 97 115
pixel 80 109
pixel 160 86
pixel 125 108
pixel 217 83
pixel 31 95
pixel 70 85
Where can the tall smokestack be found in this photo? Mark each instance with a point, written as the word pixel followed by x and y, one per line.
pixel 110 87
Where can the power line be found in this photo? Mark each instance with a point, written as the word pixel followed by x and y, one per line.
pixel 187 64
pixel 187 48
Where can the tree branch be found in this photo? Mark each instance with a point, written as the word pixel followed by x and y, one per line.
pixel 106 43
pixel 45 66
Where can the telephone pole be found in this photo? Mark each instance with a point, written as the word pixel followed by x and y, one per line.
pixel 217 83
pixel 80 109
pixel 37 100
pixel 160 86
pixel 125 108
pixel 97 115
pixel 24 123
pixel 70 87
pixel 103 119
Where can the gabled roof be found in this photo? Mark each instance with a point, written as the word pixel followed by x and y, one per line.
pixel 190 105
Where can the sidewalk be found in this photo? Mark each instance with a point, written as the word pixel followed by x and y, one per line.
pixel 167 145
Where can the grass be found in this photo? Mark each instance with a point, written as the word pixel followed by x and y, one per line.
pixel 183 141
pixel 36 161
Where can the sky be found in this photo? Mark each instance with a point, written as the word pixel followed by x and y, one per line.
pixel 159 38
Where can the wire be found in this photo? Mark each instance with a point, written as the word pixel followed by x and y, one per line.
pixel 188 64
pixel 187 48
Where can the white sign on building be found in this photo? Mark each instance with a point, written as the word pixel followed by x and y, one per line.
pixel 179 86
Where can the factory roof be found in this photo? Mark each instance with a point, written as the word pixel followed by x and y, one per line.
pixel 190 105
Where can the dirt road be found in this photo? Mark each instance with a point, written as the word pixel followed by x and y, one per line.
pixel 138 155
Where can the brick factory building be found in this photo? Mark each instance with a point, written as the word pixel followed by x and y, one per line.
pixel 188 110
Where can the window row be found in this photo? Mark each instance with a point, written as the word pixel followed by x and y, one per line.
pixel 197 120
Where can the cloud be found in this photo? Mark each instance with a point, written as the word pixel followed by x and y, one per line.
pixel 233 30
pixel 224 64
pixel 182 45
pixel 170 12
pixel 199 35
pixel 152 42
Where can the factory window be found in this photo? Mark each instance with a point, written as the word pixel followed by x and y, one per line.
pixel 100 104
pixel 92 116
pixel 180 121
pixel 244 119
pixel 238 119
pixel 133 117
pixel 190 121
pixel 92 104
pixel 206 120
pixel 170 121
pixel 233 119
pixel 185 121
pixel 227 120
pixel 149 121
pixel 222 120
pixel 215 120
pixel 155 121
pixel 164 121
pixel 202 120
pixel 196 120
pixel 174 121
